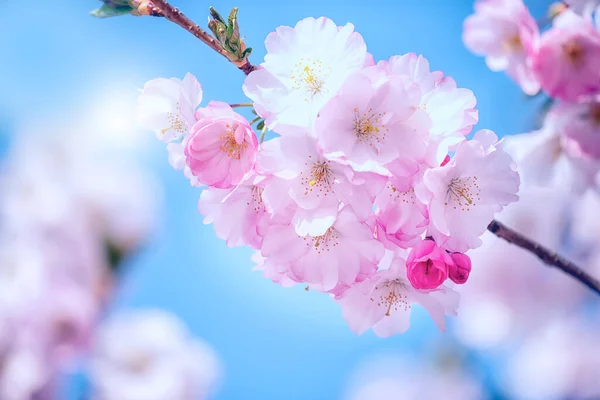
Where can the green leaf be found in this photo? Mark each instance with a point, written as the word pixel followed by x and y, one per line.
pixel 260 125
pixel 246 53
pixel 106 11
pixel 217 16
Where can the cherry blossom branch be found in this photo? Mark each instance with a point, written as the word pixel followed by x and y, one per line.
pixel 547 256
pixel 174 15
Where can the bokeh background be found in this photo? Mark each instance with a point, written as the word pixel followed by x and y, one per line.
pixel 61 69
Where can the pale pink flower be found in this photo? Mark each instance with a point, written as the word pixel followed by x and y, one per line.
pixel 460 269
pixel 304 67
pixel 568 62
pixel 344 252
pixel 275 272
pixel 427 265
pixel 222 146
pixel 401 217
pixel 584 8
pixel 374 121
pixel 314 184
pixel 549 158
pixel 507 35
pixel 392 376
pixel 464 194
pixel 384 301
pixel 451 109
pixel 239 215
pixel 176 152
pixel 581 123
pixel 150 355
pixel 565 352
pixel 167 106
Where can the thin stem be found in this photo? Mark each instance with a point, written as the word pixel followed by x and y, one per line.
pixel 255 120
pixel 547 256
pixel 235 105
pixel 174 15
pixel 262 139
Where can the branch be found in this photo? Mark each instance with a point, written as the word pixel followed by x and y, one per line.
pixel 547 256
pixel 174 15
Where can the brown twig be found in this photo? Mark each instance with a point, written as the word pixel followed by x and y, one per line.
pixel 547 256
pixel 174 15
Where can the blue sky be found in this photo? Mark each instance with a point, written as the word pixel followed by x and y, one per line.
pixel 60 65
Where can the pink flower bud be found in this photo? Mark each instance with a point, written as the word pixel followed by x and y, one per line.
pixel 460 269
pixel 427 265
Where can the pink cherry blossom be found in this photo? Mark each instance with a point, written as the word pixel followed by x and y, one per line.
pixel 451 109
pixel 384 301
pixel 580 122
pixel 584 8
pixel 167 106
pixel 507 35
pixel 304 67
pixel 568 63
pixel 314 185
pixel 460 269
pixel 238 214
pixel 548 157
pixel 373 121
pixel 427 265
pixel 222 146
pixel 401 217
pixel 345 251
pixel 464 194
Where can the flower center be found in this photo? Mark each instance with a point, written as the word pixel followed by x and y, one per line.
pixel 513 43
pixel 256 202
pixel 407 197
pixel 323 243
pixel 462 193
pixel 393 296
pixel 138 363
pixel 177 124
pixel 368 126
pixel 319 177
pixel 308 75
pixel 230 146
pixel 574 52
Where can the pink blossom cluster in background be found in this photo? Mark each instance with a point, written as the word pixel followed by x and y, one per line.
pixel 68 218
pixel 564 62
pixel 542 326
pixel 371 191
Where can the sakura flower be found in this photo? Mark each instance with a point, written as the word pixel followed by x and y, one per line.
pixel 384 301
pixel 564 352
pixel 371 121
pixel 584 8
pixel 222 146
pixel 580 122
pixel 149 355
pixel 344 252
pixel 238 214
pixel 460 269
pixel 315 185
pixel 464 194
pixel 548 157
pixel 427 265
pixel 393 377
pixel 167 106
pixel 451 109
pixel 304 67
pixel 401 217
pixel 507 35
pixel 568 63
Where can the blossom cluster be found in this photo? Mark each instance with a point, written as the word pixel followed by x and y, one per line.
pixel 563 62
pixel 371 192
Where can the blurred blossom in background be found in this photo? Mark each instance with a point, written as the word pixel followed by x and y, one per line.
pixel 111 287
